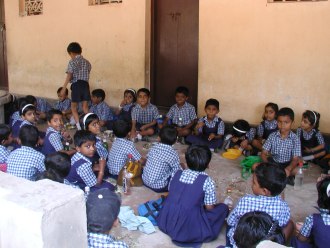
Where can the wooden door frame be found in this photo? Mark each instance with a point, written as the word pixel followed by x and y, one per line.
pixel 4 85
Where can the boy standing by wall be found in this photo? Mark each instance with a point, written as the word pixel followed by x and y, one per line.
pixel 78 75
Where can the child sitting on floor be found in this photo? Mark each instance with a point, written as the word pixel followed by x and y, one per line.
pixel 54 138
pixel 267 126
pixel 283 146
pixel 81 172
pixel 42 106
pixel 316 229
pixel 162 161
pixel 101 109
pixel 312 141
pixel 26 162
pixel 144 115
pixel 190 214
pixel 241 137
pixel 64 103
pixel 5 140
pixel 268 182
pixel 210 128
pixel 182 114
pixel 102 209
pixel 124 111
pixel 120 149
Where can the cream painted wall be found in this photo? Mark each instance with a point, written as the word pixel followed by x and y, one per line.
pixel 112 37
pixel 251 52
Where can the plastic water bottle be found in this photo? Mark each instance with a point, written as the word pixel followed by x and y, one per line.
pixel 180 122
pixel 160 119
pixel 87 190
pixel 105 144
pixel 126 183
pixel 67 146
pixel 299 180
pixel 229 201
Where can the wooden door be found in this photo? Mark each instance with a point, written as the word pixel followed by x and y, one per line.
pixel 174 50
pixel 3 54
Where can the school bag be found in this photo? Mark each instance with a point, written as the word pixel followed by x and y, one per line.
pixel 150 209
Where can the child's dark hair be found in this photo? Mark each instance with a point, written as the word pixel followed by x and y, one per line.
pixel 82 136
pixel 313 117
pixel 212 102
pixel 273 106
pixel 31 99
pixel 60 89
pixel 323 190
pixel 57 165
pixel 168 135
pixel 240 128
pixel 271 177
pixel 74 47
pixel 25 106
pixel 182 89
pixel 198 157
pixel 87 119
pixel 254 227
pixel 5 131
pixel 144 90
pixel 286 112
pixel 99 93
pixel 50 114
pixel 121 128
pixel 29 135
pixel 132 92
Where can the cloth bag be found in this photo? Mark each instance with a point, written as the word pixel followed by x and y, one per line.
pixel 135 169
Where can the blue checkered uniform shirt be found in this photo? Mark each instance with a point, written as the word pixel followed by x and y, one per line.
pixel 309 135
pixel 25 122
pixel 101 240
pixel 55 139
pixel 269 125
pixel 43 105
pixel 15 117
pixel 145 115
pixel 189 176
pixel 64 105
pixel 162 162
pixel 126 107
pixel 308 225
pixel 85 170
pixel 103 111
pixel 4 153
pixel 273 205
pixel 101 150
pixel 283 150
pixel 80 69
pixel 212 123
pixel 118 154
pixel 186 112
pixel 25 162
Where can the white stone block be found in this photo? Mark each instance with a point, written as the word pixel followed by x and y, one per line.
pixel 41 214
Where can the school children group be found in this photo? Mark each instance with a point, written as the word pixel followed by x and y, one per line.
pixel 191 213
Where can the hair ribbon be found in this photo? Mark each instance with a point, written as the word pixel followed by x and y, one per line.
pixel 238 130
pixel 314 117
pixel 85 118
pixel 27 105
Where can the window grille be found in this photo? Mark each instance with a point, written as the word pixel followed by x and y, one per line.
pixel 30 7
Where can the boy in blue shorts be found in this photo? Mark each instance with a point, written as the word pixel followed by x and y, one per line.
pixel 182 114
pixel 55 138
pixel 144 115
pixel 102 208
pixel 162 161
pixel 78 75
pixel 64 103
pixel 120 149
pixel 81 172
pixel 283 146
pixel 26 162
pixel 268 182
pixel 101 109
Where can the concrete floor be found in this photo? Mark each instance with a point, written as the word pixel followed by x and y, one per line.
pixel 226 173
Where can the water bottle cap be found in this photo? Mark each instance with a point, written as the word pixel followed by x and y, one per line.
pixel 130 156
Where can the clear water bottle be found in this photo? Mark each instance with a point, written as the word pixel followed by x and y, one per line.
pixel 67 146
pixel 180 122
pixel 126 181
pixel 87 190
pixel 105 144
pixel 299 180
pixel 160 119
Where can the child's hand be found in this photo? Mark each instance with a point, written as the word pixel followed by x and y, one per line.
pixel 123 102
pixel 234 139
pixel 244 144
pixel 308 150
pixel 142 128
pixel 211 137
pixel 200 125
pixel 298 227
pixel 132 134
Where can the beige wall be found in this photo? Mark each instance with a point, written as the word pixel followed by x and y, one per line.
pixel 250 52
pixel 112 37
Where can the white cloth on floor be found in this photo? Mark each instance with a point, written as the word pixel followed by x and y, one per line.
pixel 132 222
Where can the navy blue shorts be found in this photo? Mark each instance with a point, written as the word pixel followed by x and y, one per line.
pixel 80 91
